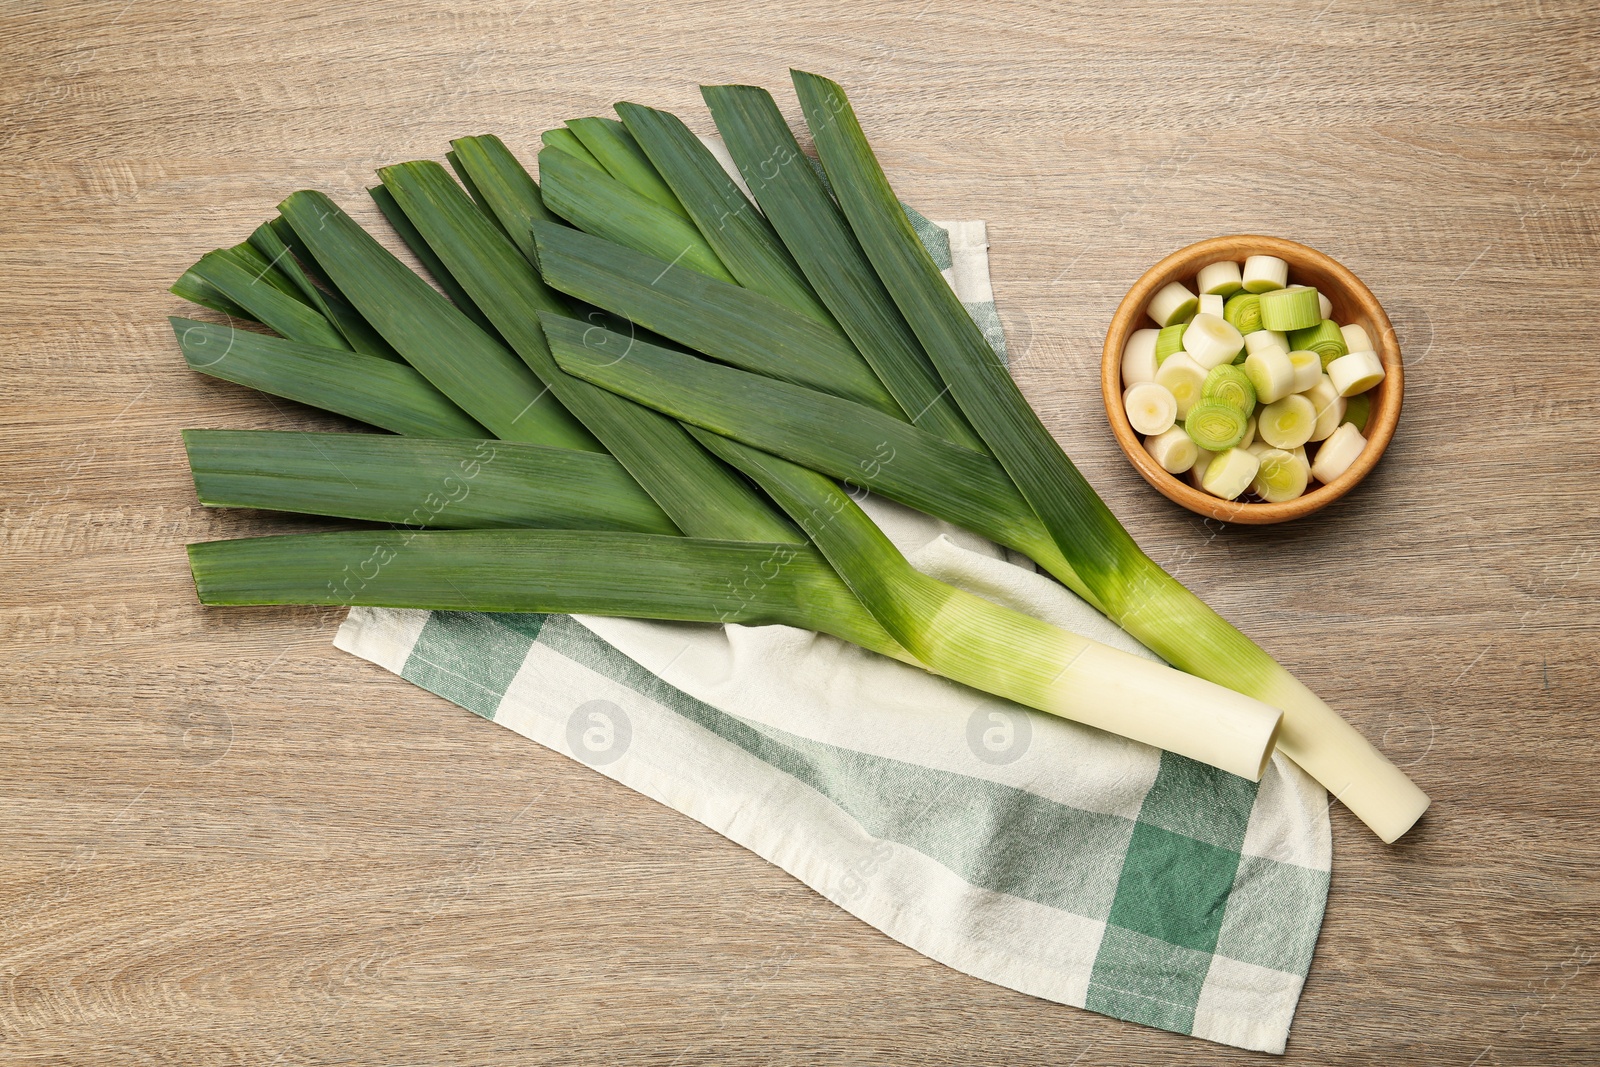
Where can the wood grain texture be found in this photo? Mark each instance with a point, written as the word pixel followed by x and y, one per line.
pixel 225 842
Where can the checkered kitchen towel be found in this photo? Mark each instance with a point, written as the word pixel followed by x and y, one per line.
pixel 1028 851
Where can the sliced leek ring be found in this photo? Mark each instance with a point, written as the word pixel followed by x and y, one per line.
pixel 1337 453
pixel 1255 342
pixel 1229 473
pixel 1356 411
pixel 1263 274
pixel 1326 339
pixel 1215 426
pixel 1174 303
pixel 1183 378
pixel 1175 450
pixel 1290 309
pixel 1356 339
pixel 1356 372
pixel 1244 311
pixel 1230 385
pixel 1151 408
pixel 1271 373
pixel 1329 406
pixel 1139 357
pixel 1212 341
pixel 1287 423
pixel 1279 476
pixel 1307 370
pixel 1169 341
pixel 1220 279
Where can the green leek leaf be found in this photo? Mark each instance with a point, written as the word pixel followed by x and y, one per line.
pixel 195 289
pixel 375 391
pixel 357 332
pixel 415 481
pixel 614 148
pixel 466 364
pixel 431 263
pixel 250 258
pixel 507 189
pixel 593 572
pixel 599 204
pixel 229 274
pixel 474 194
pixel 1082 526
pixel 743 240
pixel 701 495
pixel 566 141
pixel 803 212
pixel 720 319
pixel 823 432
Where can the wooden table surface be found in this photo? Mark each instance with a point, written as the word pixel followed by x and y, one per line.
pixel 226 842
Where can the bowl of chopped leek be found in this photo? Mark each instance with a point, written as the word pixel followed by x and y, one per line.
pixel 1251 379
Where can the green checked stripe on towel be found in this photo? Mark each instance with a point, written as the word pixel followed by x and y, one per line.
pixel 1022 849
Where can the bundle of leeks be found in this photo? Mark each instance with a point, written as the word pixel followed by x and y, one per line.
pixel 646 395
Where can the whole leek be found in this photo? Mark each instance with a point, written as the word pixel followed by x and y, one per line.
pixel 1136 593
pixel 824 302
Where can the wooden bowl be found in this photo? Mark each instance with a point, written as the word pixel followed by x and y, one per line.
pixel 1352 301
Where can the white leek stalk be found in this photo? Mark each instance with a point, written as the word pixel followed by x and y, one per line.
pixel 1139 357
pixel 1280 476
pixel 1152 409
pixel 1183 378
pixel 1355 373
pixel 1337 453
pixel 1173 304
pixel 1249 431
pixel 1287 423
pixel 1307 370
pixel 1355 338
pixel 1197 473
pixel 1211 304
pixel 1175 450
pixel 1335 754
pixel 1263 274
pixel 1229 473
pixel 969 639
pixel 1255 342
pixel 1271 373
pixel 1212 341
pixel 1324 306
pixel 1222 278
pixel 1329 406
